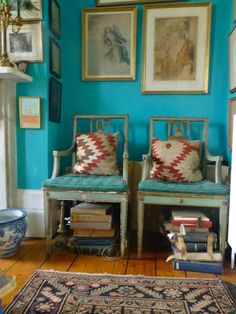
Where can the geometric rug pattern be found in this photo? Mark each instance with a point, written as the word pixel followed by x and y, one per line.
pixel 53 292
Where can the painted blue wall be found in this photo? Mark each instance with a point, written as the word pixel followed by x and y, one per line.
pixel 35 147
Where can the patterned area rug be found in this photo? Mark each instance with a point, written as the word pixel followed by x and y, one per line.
pixel 66 292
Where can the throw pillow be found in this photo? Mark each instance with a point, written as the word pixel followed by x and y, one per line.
pixel 176 160
pixel 96 154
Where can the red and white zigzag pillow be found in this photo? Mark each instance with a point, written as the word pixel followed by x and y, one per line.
pixel 96 154
pixel 176 160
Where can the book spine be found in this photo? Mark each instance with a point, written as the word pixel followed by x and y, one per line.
pixel 171 227
pixel 215 268
pixel 78 232
pixel 196 237
pixel 198 246
pixel 88 211
pixel 91 225
pixel 193 223
pixel 93 218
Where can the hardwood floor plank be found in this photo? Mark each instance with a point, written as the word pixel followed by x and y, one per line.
pixel 85 264
pixel 229 274
pixel 59 261
pixel 165 269
pixel 105 266
pixel 194 274
pixel 141 267
pixel 8 262
pixel 120 266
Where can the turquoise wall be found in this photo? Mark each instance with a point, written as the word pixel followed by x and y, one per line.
pixel 35 146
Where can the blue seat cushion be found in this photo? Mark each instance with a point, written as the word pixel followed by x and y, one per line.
pixel 201 187
pixel 87 183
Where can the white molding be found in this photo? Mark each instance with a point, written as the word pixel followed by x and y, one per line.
pixel 32 199
pixel 32 202
pixel 9 77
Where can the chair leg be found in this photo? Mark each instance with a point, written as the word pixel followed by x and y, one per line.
pixel 223 223
pixel 48 222
pixel 140 227
pixel 123 225
pixel 61 238
pixel 232 259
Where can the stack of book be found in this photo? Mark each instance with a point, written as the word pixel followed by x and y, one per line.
pixel 191 233
pixel 94 231
pixel 196 229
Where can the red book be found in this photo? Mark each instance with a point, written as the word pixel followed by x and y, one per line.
pixel 193 223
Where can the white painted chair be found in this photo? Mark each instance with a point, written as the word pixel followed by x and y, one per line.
pixel 203 193
pixel 90 187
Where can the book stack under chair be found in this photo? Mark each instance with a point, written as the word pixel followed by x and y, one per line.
pixel 94 231
pixel 196 226
pixel 189 231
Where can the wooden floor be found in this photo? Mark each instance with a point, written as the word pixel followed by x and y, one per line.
pixel 32 256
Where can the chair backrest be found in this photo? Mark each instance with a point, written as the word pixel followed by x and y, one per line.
pixel 105 124
pixel 169 128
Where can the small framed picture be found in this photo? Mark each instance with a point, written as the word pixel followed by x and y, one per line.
pixel 55 58
pixel 27 44
pixel 232 61
pixel 29 10
pixel 109 43
pixel 55 18
pixel 231 112
pixel 29 112
pixel 55 96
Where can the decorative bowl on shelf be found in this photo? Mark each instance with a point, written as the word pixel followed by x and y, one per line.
pixel 12 230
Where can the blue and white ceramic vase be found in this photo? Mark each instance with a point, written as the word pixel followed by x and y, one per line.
pixel 12 230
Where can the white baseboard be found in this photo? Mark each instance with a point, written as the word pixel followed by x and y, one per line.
pixel 32 202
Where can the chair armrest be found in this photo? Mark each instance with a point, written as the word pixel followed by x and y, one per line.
pixel 147 158
pixel 57 154
pixel 125 166
pixel 218 163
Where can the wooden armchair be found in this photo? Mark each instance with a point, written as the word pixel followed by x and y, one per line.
pixel 159 187
pixel 90 183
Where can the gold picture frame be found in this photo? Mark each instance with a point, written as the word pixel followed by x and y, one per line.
pixel 232 61
pixel 231 113
pixel 176 44
pixel 128 2
pixel 26 45
pixel 29 112
pixel 234 10
pixel 29 10
pixel 109 43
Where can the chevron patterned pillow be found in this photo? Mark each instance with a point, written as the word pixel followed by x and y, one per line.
pixel 96 154
pixel 176 160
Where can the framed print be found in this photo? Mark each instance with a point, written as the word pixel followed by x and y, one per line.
pixel 27 44
pixel 234 10
pixel 29 10
pixel 124 2
pixel 232 61
pixel 55 96
pixel 109 43
pixel 29 112
pixel 232 112
pixel 55 18
pixel 55 58
pixel 176 40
